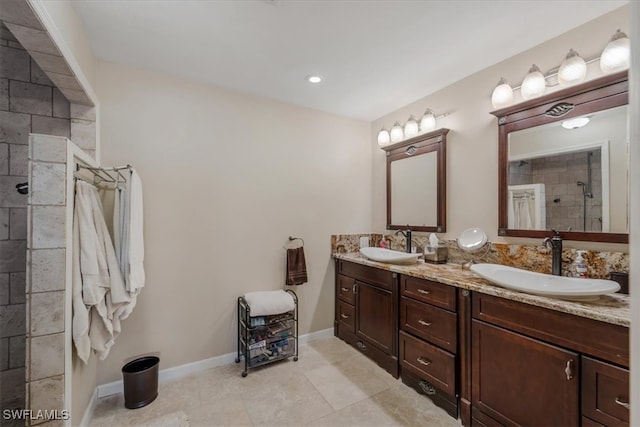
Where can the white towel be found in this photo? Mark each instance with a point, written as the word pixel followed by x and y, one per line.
pixel 266 303
pixel 136 236
pixel 104 293
pixel 80 322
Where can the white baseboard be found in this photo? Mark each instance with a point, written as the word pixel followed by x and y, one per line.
pixel 88 412
pixel 182 371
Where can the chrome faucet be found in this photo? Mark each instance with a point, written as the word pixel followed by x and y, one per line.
pixel 556 247
pixel 407 236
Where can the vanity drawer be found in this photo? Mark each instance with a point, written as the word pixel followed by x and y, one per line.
pixel 374 276
pixel 344 289
pixel 429 322
pixel 427 291
pixel 592 337
pixel 347 316
pixel 428 362
pixel 605 392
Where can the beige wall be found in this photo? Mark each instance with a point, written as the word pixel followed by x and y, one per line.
pixel 472 144
pixel 227 178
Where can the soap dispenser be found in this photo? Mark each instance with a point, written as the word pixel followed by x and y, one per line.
pixel 579 266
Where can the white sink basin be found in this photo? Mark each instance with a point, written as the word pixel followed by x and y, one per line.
pixel 389 256
pixel 571 288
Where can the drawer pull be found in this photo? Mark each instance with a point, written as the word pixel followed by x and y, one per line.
pixel 622 403
pixel 344 316
pixel 425 362
pixel 344 289
pixel 568 370
pixel 427 388
pixel 423 323
pixel 422 291
pixel 355 288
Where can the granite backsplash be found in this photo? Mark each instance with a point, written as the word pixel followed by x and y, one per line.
pixel 527 257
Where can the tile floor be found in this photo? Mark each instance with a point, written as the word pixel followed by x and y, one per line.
pixel 330 385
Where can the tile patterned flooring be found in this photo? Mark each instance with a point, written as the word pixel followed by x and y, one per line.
pixel 331 384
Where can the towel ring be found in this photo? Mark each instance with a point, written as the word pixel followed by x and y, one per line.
pixel 291 239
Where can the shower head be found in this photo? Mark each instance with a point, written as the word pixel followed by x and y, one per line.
pixel 23 188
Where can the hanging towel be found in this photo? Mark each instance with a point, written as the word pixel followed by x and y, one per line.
pixel 80 322
pixel 296 267
pixel 136 237
pixel 103 291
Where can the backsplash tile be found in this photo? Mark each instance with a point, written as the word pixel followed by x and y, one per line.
pixel 527 257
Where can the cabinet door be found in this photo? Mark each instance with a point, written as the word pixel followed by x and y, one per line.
pixel 522 381
pixel 375 320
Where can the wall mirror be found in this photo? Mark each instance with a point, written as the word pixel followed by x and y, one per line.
pixel 416 183
pixel 563 163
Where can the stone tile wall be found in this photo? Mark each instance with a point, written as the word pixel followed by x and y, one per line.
pixel 29 102
pixel 45 293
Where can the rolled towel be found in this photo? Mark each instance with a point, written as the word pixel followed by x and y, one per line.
pixel 266 303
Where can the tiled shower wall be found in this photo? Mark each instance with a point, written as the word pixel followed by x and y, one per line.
pixel 564 198
pixel 29 102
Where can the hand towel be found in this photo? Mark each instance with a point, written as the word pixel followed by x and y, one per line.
pixel 136 238
pixel 296 267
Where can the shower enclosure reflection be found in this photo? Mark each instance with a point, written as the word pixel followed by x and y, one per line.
pixel 566 178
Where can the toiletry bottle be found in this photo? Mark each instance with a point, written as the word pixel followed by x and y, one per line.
pixel 579 266
pixel 383 243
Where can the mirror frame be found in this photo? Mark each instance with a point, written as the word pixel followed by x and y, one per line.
pixel 599 94
pixel 435 141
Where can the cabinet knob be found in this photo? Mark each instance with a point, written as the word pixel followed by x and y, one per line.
pixel 362 346
pixel 622 403
pixel 422 361
pixel 422 291
pixel 423 323
pixel 568 370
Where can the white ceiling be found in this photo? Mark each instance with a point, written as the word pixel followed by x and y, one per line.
pixel 375 56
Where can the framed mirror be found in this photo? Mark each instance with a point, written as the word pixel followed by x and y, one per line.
pixel 563 163
pixel 416 183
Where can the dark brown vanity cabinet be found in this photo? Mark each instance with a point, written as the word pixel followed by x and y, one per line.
pixel 535 366
pixel 429 340
pixel 367 312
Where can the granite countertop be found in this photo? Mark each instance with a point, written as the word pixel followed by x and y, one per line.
pixel 612 308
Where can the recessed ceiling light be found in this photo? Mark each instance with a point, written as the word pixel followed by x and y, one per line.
pixel 576 123
pixel 314 78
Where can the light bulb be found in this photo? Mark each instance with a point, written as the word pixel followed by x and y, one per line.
pixel 533 84
pixel 411 127
pixel 616 56
pixel 396 133
pixel 383 137
pixel 575 123
pixel 428 121
pixel 502 95
pixel 572 70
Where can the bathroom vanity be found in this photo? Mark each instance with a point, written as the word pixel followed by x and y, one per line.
pixel 491 356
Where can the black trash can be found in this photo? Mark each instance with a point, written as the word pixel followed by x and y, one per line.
pixel 140 378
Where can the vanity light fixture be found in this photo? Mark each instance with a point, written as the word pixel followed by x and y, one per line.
pixel 575 123
pixel 428 121
pixel 383 137
pixel 616 56
pixel 572 70
pixel 411 128
pixel 314 78
pixel 533 84
pixel 502 95
pixel 396 133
